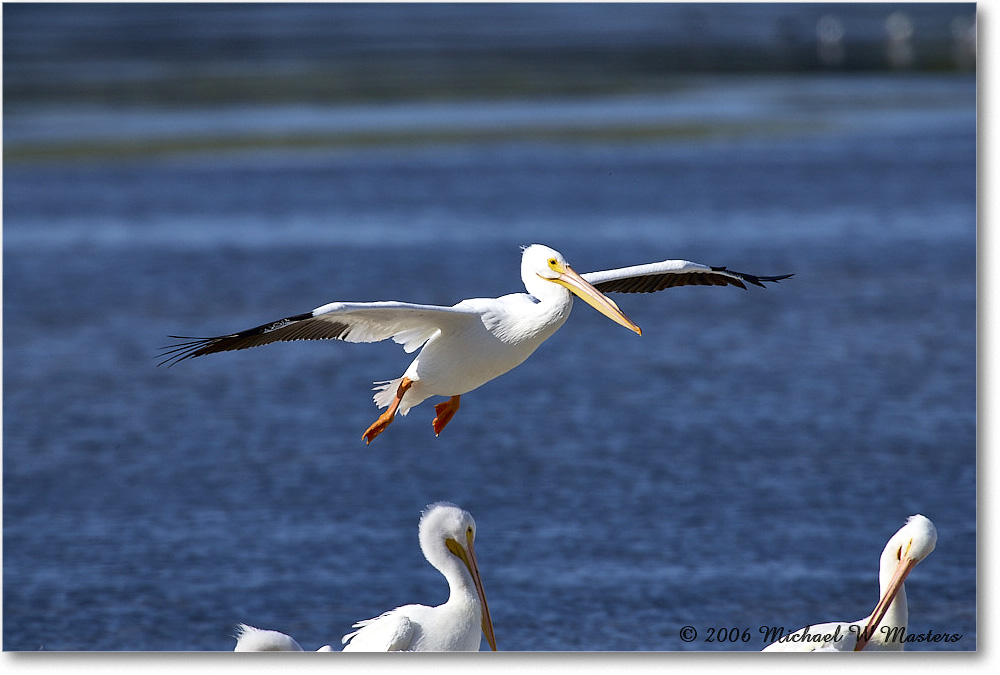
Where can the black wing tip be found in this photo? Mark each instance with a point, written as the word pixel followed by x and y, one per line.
pixel 774 279
pixel 192 346
pixel 751 278
pixel 174 354
pixel 199 346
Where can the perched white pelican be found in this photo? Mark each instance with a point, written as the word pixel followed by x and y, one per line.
pixel 468 344
pixel 446 538
pixel 884 628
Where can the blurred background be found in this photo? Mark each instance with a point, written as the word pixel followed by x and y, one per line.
pixel 200 169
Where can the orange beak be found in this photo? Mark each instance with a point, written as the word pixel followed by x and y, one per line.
pixel 467 555
pixel 581 288
pixel 898 577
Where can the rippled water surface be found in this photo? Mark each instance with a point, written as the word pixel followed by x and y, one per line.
pixel 740 465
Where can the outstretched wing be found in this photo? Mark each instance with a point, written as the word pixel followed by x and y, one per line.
pixel 656 276
pixel 408 324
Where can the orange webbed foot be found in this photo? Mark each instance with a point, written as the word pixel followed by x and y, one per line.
pixel 377 427
pixel 385 419
pixel 445 411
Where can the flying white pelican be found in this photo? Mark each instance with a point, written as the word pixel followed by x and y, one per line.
pixel 447 533
pixel 468 344
pixel 885 627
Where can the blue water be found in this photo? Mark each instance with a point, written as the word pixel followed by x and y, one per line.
pixel 740 465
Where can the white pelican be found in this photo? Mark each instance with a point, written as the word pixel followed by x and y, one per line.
pixel 447 533
pixel 470 343
pixel 885 627
pixel 250 639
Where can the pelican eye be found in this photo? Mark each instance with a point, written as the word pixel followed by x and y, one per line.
pixel 899 553
pixel 553 263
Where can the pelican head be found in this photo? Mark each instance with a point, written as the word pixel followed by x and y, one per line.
pixel 914 541
pixel 548 264
pixel 447 533
pixel 911 544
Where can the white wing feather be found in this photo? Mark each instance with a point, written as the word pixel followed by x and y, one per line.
pixel 407 324
pixel 389 632
pixel 662 267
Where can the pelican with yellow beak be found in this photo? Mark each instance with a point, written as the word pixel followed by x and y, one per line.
pixel 885 628
pixel 464 346
pixel 447 533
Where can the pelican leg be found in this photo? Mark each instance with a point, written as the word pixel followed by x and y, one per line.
pixel 385 419
pixel 445 411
